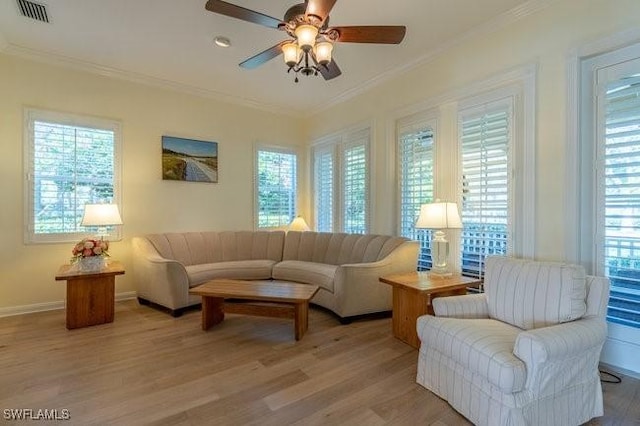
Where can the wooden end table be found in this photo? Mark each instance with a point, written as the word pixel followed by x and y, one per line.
pixel 263 298
pixel 412 296
pixel 90 295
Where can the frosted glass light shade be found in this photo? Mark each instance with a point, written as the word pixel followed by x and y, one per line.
pixel 291 53
pixel 101 215
pixel 323 51
pixel 306 35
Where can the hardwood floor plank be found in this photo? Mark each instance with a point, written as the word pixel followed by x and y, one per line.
pixel 150 368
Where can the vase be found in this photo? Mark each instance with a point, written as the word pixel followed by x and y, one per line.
pixel 91 264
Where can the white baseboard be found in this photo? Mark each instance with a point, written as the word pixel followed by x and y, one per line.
pixel 50 306
pixel 622 349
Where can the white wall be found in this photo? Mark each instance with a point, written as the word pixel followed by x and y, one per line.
pixel 149 204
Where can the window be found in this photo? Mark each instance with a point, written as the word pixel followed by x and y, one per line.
pixel 276 184
pixel 485 138
pixel 603 200
pixel 355 183
pixel 324 179
pixel 415 166
pixel 341 183
pixel 71 160
pixel 618 169
pixel 610 226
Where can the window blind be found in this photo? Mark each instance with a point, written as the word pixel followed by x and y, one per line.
pixel 415 165
pixel 324 167
pixel 276 188
pixel 355 184
pixel 485 139
pixel 620 217
pixel 69 166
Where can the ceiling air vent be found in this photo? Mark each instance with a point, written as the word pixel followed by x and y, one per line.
pixel 33 10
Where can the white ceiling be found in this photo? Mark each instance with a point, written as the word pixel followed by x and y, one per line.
pixel 171 42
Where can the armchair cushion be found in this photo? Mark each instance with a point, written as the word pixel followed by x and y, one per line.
pixel 530 294
pixel 483 346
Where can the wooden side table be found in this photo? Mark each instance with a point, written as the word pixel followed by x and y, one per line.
pixel 90 295
pixel 412 296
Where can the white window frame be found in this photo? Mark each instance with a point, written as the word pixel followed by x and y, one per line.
pixel 330 149
pixel 256 202
pixel 621 348
pixel 429 120
pixel 338 142
pixel 31 115
pixel 519 83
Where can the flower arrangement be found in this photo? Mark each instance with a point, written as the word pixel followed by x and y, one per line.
pixel 89 248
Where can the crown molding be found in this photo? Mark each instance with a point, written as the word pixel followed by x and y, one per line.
pixel 509 17
pixel 79 65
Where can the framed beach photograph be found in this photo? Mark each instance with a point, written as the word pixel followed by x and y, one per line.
pixel 189 160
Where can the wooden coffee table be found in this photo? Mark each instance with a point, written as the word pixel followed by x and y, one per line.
pixel 412 296
pixel 262 298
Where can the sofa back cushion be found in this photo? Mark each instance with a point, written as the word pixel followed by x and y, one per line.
pixel 195 248
pixel 531 294
pixel 338 249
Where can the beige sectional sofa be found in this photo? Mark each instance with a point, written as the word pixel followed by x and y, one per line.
pixel 346 267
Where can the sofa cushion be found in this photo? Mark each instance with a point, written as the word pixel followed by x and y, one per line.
pixel 531 294
pixel 319 274
pixel 337 248
pixel 197 248
pixel 484 346
pixel 239 270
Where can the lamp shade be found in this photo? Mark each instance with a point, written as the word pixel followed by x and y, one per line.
pixel 323 51
pixel 299 224
pixel 101 215
pixel 439 216
pixel 306 35
pixel 291 53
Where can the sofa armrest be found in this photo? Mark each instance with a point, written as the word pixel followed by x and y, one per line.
pixel 159 280
pixel 466 306
pixel 357 286
pixel 564 354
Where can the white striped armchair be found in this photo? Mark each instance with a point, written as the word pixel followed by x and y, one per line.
pixel 525 352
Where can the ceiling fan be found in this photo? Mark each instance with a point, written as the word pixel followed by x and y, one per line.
pixel 310 47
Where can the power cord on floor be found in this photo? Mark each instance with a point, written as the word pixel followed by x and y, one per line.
pixel 611 378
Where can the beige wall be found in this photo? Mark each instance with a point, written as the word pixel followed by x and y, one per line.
pixel 146 113
pixel 148 203
pixel 544 39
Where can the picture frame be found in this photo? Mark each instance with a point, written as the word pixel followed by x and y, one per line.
pixel 189 160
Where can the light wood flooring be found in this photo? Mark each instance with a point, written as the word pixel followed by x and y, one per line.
pixel 150 368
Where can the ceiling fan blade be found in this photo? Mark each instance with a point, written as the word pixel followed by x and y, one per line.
pixel 262 57
pixel 329 71
pixel 382 34
pixel 320 8
pixel 239 12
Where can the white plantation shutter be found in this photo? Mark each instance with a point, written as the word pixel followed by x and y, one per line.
pixel 324 183
pixel 355 183
pixel 618 216
pixel 276 190
pixel 71 161
pixel 415 166
pixel 485 136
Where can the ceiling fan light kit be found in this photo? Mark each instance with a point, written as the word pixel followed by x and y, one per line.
pixel 310 49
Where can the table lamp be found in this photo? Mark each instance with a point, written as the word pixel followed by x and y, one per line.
pixel 298 224
pixel 102 216
pixel 438 216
